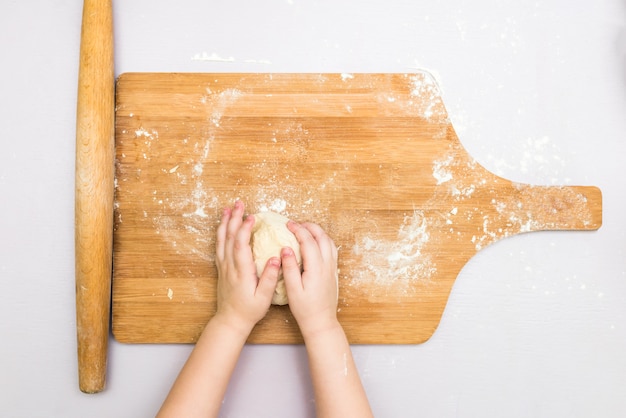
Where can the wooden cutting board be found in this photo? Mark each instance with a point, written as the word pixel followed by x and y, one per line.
pixel 372 158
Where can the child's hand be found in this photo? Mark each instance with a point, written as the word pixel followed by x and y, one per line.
pixel 312 294
pixel 242 298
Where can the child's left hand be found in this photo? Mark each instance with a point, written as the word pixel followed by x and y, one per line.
pixel 243 298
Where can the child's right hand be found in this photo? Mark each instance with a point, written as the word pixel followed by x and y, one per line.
pixel 312 293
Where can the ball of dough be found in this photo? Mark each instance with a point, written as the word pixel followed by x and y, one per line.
pixel 269 236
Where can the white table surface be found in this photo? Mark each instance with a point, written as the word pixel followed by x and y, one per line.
pixel 535 325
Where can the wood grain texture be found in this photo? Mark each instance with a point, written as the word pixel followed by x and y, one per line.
pixel 95 130
pixel 372 158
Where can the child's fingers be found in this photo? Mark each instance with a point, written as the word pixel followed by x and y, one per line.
pixel 308 245
pixel 221 234
pixel 316 231
pixel 291 271
pixel 324 242
pixel 242 236
pixel 242 253
pixel 235 220
pixel 268 279
pixel 232 228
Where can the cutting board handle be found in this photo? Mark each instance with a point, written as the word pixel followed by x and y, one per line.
pixel 550 208
pixel 94 183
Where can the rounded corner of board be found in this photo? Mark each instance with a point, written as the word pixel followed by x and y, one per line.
pixel 594 197
pixel 120 338
pixel 121 77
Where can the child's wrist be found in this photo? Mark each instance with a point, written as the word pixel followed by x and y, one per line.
pixel 233 323
pixel 315 328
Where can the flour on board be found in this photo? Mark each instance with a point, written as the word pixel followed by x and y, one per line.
pixel 278 206
pixel 426 96
pixel 461 186
pixel 195 208
pixel 441 170
pixel 398 262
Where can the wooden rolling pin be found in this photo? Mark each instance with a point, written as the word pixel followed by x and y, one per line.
pixel 95 129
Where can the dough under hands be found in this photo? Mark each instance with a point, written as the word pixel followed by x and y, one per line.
pixel 269 236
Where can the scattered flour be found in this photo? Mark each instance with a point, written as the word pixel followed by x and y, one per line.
pixel 203 56
pixel 538 159
pixel 213 57
pixel 441 170
pixel 395 263
pixel 278 206
pixel 426 96
pixel 422 99
pixel 148 134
